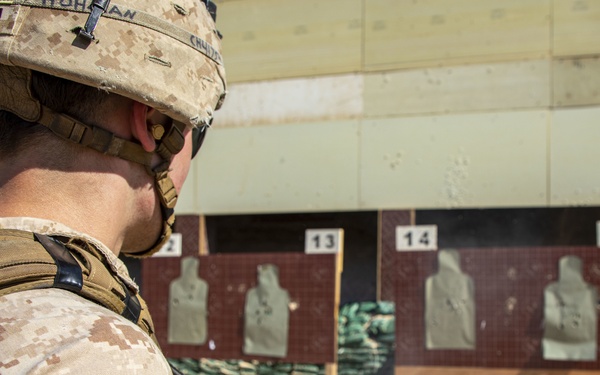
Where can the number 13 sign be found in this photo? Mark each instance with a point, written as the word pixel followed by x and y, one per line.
pixel 416 237
pixel 323 241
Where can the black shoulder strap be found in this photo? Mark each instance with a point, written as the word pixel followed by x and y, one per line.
pixel 68 272
pixel 69 275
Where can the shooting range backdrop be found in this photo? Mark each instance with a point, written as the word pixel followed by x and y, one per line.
pixel 309 279
pixel 509 297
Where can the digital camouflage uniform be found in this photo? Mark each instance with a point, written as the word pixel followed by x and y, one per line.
pixel 54 331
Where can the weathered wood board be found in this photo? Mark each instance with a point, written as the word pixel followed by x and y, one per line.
pixel 454 89
pixel 576 27
pixel 574 155
pixel 286 168
pixel 284 101
pixel 407 33
pixel 470 160
pixel 576 81
pixel 267 39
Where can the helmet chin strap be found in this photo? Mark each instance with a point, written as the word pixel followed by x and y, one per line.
pixel 168 218
pixel 169 143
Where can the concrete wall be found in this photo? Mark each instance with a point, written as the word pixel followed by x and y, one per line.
pixel 372 104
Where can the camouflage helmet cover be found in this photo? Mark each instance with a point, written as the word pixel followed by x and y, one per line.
pixel 165 54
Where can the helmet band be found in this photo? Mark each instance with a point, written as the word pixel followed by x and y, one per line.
pixel 134 16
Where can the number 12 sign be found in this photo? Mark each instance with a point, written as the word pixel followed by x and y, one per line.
pixel 323 241
pixel 416 237
pixel 173 247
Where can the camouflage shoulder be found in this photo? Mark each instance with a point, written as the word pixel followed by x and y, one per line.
pixel 50 331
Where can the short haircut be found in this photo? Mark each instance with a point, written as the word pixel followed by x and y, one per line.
pixel 81 102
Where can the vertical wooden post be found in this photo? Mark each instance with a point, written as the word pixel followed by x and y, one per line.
pixel 331 369
pixel 379 255
pixel 202 237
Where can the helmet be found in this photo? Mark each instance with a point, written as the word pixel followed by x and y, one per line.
pixel 161 53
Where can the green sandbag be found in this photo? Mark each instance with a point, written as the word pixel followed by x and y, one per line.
pixel 349 370
pixel 264 369
pixel 354 339
pixel 361 318
pixel 354 327
pixel 368 307
pixel 350 310
pixel 381 324
pixel 313 369
pixel 386 308
pixel 284 367
pixel 225 371
pixel 388 338
pixel 204 369
pixel 190 363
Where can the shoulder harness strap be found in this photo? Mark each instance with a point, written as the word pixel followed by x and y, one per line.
pixel 38 261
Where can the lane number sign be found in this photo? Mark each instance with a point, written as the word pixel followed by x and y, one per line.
pixel 173 247
pixel 416 237
pixel 323 241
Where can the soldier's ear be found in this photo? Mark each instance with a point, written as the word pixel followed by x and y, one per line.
pixel 141 126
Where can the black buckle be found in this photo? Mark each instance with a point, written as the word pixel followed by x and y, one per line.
pixel 98 7
pixel 212 9
pixel 133 308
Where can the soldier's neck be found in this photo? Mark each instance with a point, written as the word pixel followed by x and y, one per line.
pixel 102 205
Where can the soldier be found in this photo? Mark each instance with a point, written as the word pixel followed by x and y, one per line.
pixel 102 107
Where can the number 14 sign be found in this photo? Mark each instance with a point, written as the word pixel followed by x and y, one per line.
pixel 416 237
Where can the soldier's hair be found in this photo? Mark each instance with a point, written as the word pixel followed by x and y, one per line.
pixel 79 101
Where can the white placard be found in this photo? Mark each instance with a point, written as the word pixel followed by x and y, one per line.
pixel 416 238
pixel 323 241
pixel 173 247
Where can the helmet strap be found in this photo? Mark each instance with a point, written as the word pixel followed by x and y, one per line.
pixel 169 143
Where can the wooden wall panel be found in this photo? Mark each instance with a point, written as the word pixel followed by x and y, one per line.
pixel 576 27
pixel 475 160
pixel 294 100
pixel 408 33
pixel 266 39
pixel 574 157
pixel 458 89
pixel 317 64
pixel 429 370
pixel 286 168
pixel 576 81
